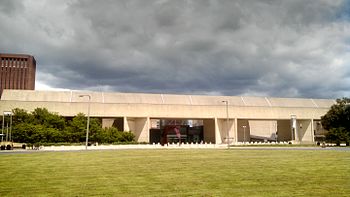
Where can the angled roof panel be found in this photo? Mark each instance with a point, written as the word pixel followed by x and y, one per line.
pixel 141 98
pixel 291 102
pixel 215 100
pixel 255 101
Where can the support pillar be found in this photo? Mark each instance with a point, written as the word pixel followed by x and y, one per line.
pixel 221 131
pixel 107 122
pixel 312 131
pixel 236 131
pixel 218 136
pixel 125 124
pixel 294 128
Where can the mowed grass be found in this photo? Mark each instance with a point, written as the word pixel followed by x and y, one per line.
pixel 177 173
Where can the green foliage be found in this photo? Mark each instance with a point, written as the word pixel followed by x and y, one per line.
pixel 337 121
pixel 127 136
pixel 338 135
pixel 76 130
pixel 42 126
pixel 50 120
pixel 112 135
pixel 21 116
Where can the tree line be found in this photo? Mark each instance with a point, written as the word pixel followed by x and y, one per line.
pixel 337 122
pixel 42 126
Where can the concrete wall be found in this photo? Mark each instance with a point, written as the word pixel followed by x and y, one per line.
pixel 240 131
pixel 221 131
pixel 167 111
pixel 142 129
pixel 139 126
pixel 129 124
pixel 263 128
pixel 305 131
pixel 284 130
pixel 107 122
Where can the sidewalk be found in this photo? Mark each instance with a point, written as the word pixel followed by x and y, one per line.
pixel 133 146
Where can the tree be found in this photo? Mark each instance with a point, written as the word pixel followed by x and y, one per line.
pixel 21 116
pixel 40 126
pixel 48 119
pixel 337 121
pixel 76 130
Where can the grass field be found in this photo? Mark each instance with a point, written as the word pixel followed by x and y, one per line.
pixel 177 173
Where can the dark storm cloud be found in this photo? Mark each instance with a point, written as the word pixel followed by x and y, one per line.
pixel 10 8
pixel 272 48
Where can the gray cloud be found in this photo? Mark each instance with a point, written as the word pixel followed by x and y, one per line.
pixel 272 48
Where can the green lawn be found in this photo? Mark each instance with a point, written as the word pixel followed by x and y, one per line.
pixel 177 173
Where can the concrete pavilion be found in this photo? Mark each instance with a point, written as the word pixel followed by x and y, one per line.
pixel 249 118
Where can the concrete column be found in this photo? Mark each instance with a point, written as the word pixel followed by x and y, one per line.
pixel 218 136
pixel 221 131
pixel 312 131
pixel 294 129
pixel 141 132
pixel 126 125
pixel 236 130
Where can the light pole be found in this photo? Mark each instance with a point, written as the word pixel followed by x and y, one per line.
pixel 244 133
pixel 8 137
pixel 88 120
pixel 228 130
pixel 2 129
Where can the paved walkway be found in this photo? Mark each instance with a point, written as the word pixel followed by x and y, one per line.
pixel 133 146
pixel 170 146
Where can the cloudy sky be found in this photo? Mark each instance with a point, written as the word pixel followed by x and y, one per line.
pixel 282 48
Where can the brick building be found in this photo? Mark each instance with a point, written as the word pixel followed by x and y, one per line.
pixel 17 72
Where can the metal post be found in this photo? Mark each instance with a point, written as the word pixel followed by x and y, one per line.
pixel 227 125
pixel 7 131
pixel 8 137
pixel 3 126
pixel 11 127
pixel 88 120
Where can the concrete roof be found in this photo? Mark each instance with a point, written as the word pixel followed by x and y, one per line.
pixel 168 99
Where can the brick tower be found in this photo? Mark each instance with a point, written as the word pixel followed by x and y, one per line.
pixel 17 72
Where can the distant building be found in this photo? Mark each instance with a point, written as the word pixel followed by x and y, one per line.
pixel 17 72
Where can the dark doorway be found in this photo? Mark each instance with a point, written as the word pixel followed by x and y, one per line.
pixel 175 131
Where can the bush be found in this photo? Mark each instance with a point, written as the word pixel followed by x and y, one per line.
pixel 338 135
pixel 112 135
pixel 44 127
pixel 127 136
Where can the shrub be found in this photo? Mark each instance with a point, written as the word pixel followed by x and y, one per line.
pixel 338 135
